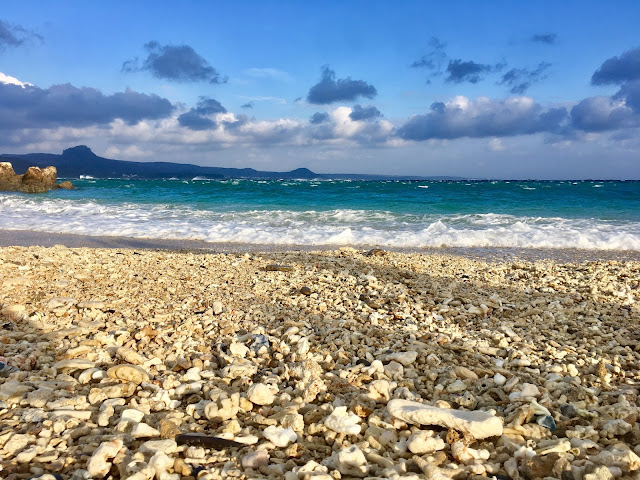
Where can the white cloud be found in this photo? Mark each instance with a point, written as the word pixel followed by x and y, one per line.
pixel 8 80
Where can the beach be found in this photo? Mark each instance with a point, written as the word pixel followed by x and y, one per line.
pixel 335 363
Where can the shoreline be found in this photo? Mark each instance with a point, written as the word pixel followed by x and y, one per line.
pixel 28 238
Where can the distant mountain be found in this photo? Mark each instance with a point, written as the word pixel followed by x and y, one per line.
pixel 81 160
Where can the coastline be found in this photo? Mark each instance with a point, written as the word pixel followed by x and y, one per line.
pixel 563 255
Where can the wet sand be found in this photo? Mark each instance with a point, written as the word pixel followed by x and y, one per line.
pixel 45 239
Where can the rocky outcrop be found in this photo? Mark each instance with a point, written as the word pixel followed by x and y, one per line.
pixel 34 180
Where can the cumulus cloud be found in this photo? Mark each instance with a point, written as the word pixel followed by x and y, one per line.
pixel 179 63
pixel 619 111
pixel 468 71
pixel 330 90
pixel 520 79
pixel 617 70
pixel 199 117
pixel 15 35
pixel 546 38
pixel 364 113
pixel 483 117
pixel 26 106
pixel 597 114
pixel 319 117
pixel 340 127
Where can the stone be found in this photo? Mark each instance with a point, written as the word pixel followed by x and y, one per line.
pixel 305 291
pixel 342 421
pixel 67 366
pixel 167 446
pixel 98 465
pixel 424 442
pixel 476 423
pixel 262 394
pixel 66 185
pixel 129 373
pixel 280 437
pixel 351 461
pixel 405 358
pixel 527 393
pixel 37 180
pixel 278 268
pixel 142 430
pixel 255 460
pixel 17 442
pixel 217 308
pixel 130 356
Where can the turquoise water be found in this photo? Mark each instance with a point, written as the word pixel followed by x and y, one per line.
pixel 594 215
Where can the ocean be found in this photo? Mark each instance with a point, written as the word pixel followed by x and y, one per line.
pixel 593 215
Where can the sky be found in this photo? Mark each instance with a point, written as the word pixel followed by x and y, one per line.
pixel 496 89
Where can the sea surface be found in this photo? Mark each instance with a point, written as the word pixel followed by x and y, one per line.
pixel 402 214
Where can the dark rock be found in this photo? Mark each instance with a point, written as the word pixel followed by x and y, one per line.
pixel 208 441
pixel 278 268
pixel 375 252
pixel 568 410
pixel 547 421
pixel 305 291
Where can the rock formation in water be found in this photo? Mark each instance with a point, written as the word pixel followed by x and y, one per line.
pixel 34 180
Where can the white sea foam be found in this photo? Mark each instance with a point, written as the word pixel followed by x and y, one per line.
pixel 312 227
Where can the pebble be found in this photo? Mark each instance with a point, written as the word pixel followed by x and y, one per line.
pixel 129 373
pixel 262 394
pixel 280 437
pixel 476 423
pixel 255 460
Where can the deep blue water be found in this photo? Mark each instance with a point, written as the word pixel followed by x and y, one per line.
pixel 595 215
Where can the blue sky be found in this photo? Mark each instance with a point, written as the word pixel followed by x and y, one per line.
pixel 480 89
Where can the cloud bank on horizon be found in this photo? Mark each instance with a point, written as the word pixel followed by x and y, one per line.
pixel 338 115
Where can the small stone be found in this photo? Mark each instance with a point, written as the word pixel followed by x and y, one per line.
pixel 255 460
pixel 74 364
pixel 262 394
pixel 168 429
pixel 305 291
pixel 130 356
pixel 351 461
pixel 278 268
pixel 280 437
pixel 142 430
pixel 167 446
pixel 568 410
pixel 99 465
pixel 547 421
pixel 217 307
pixel 405 358
pixel 342 421
pixel 129 373
pixel 476 423
pixel 423 442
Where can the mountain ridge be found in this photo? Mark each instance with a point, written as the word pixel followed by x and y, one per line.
pixel 80 160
